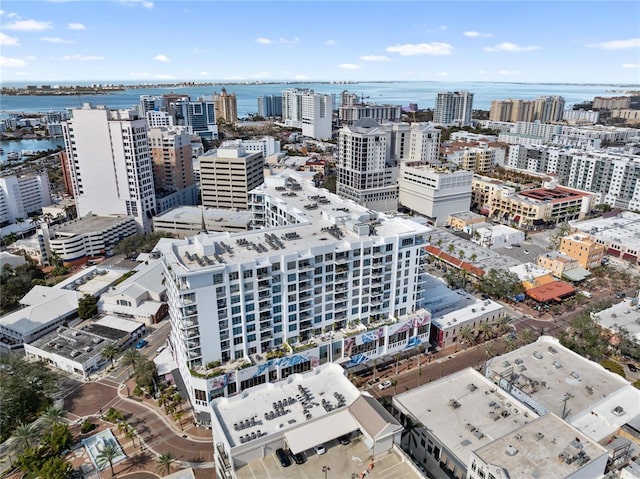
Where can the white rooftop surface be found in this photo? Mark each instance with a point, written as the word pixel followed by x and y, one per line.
pixel 88 224
pixel 468 313
pixel 44 305
pixel 310 230
pixel 165 362
pixel 529 271
pixel 497 230
pixel 623 314
pixel 482 414
pixel 550 376
pixel 121 324
pixel 322 383
pixel 623 228
pixel 100 282
pixel 607 416
pixel 194 214
pixel 148 277
pixel 537 447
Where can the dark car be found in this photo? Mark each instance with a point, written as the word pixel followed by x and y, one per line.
pixel 298 458
pixel 632 368
pixel 344 440
pixel 283 457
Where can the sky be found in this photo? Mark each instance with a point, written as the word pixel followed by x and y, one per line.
pixel 207 40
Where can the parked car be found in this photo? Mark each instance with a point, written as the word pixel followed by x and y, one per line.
pixel 141 344
pixel 320 449
pixel 299 458
pixel 283 457
pixel 384 385
pixel 632 368
pixel 620 295
pixel 344 440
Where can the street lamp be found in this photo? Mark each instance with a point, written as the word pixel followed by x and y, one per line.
pixel 326 470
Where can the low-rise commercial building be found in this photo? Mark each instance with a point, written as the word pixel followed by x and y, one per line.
pixel 583 249
pixel 562 266
pixel 619 234
pixel 494 236
pixel 121 331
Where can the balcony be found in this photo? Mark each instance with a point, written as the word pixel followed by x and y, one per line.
pixel 342 276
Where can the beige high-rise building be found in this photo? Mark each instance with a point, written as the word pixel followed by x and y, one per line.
pixel 226 106
pixel 228 174
pixel 511 110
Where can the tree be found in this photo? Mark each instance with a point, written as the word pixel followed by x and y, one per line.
pixel 146 374
pixel 20 221
pixel 502 325
pixel 87 306
pixel 510 345
pixel 461 254
pixel 57 439
pixel 26 436
pixel 473 257
pixel 451 248
pixel 110 352
pixel 177 416
pixel 53 415
pixel 467 335
pixel 106 456
pixel 164 463
pixel 500 283
pixel 489 350
pixel 55 468
pixel 485 330
pixel 131 357
pixel 410 427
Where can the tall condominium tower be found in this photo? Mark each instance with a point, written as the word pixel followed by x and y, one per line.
pixel 226 106
pixel 150 103
pixel 270 105
pixel 228 174
pixel 453 108
pixel 308 110
pixel 199 116
pixel 109 163
pixel 548 108
pixel 172 167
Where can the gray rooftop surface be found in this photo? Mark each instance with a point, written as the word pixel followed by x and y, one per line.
pixel 80 346
pixel 623 228
pixel 89 224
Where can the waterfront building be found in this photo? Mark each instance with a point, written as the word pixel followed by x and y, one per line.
pixel 323 280
pixel 611 103
pixel 453 108
pixel 23 195
pixel 95 137
pixel 434 192
pixel 199 116
pixel 172 168
pixel 269 106
pixel 150 103
pixel 226 106
pixel 228 174
pixel 309 111
pixel 511 110
pixel 581 116
pixel 629 116
pixel 548 109
pixel 353 108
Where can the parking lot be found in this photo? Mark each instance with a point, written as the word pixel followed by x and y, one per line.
pixel 343 462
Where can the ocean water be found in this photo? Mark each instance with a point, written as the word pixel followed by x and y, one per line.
pixel 403 93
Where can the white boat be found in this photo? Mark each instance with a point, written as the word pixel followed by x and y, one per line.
pixel 13 155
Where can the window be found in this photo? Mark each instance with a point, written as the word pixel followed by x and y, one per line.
pixel 291 265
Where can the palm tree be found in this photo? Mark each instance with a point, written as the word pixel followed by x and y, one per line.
pixel 461 254
pixel 165 461
pixel 526 336
pixel 20 221
pixel 26 435
pixel 394 383
pixel 123 426
pixel 467 335
pixel 110 352
pixel 451 248
pixel 106 456
pixel 510 345
pixel 53 415
pixel 473 257
pixel 131 357
pixel 177 416
pixel 486 330
pixel 410 426
pixel 489 351
pixel 130 434
pixel 502 325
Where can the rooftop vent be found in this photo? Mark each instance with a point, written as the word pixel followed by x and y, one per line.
pixel 539 436
pixel 618 411
pixel 454 404
pixel 537 355
pixel 511 451
pixel 472 387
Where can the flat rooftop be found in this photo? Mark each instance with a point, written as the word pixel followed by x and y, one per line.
pixel 87 225
pixel 258 403
pixel 319 218
pixel 441 300
pixel 558 194
pixel 79 346
pixel 623 228
pixel 624 314
pixel 467 313
pixel 544 448
pixel 548 372
pixel 195 214
pixel 465 411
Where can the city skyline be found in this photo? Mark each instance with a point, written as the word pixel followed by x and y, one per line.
pixel 78 40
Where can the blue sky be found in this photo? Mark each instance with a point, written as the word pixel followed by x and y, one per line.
pixel 165 40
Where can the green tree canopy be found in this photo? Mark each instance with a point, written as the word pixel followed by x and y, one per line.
pixel 501 284
pixel 87 306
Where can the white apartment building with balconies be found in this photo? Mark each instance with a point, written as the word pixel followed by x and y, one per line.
pixel 323 280
pixel 308 110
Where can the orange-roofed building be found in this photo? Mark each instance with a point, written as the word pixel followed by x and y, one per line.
pixel 554 291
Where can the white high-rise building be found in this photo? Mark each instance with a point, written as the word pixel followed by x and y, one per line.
pixel 453 108
pixel 109 163
pixel 255 307
pixel 308 110
pixel 150 103
pixel 22 195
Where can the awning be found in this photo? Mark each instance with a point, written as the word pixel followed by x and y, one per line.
pixel 318 432
pixel 576 274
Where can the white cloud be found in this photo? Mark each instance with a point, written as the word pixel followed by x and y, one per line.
pixel 7 41
pixel 264 41
pixel 163 77
pixel 617 44
pixel 349 66
pixel 30 58
pixel 301 77
pixel 76 26
pixel 631 65
pixel 29 26
pixel 1 12
pixel 474 34
pixel 511 47
pixel 55 40
pixel 508 72
pixel 375 58
pixel 161 58
pixel 144 3
pixel 330 42
pixel 285 41
pixel 204 74
pixel 411 49
pixel 8 62
pixel 140 75
pixel 82 58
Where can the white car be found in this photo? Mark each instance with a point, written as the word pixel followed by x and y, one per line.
pixel 320 449
pixel 384 385
pixel 526 251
